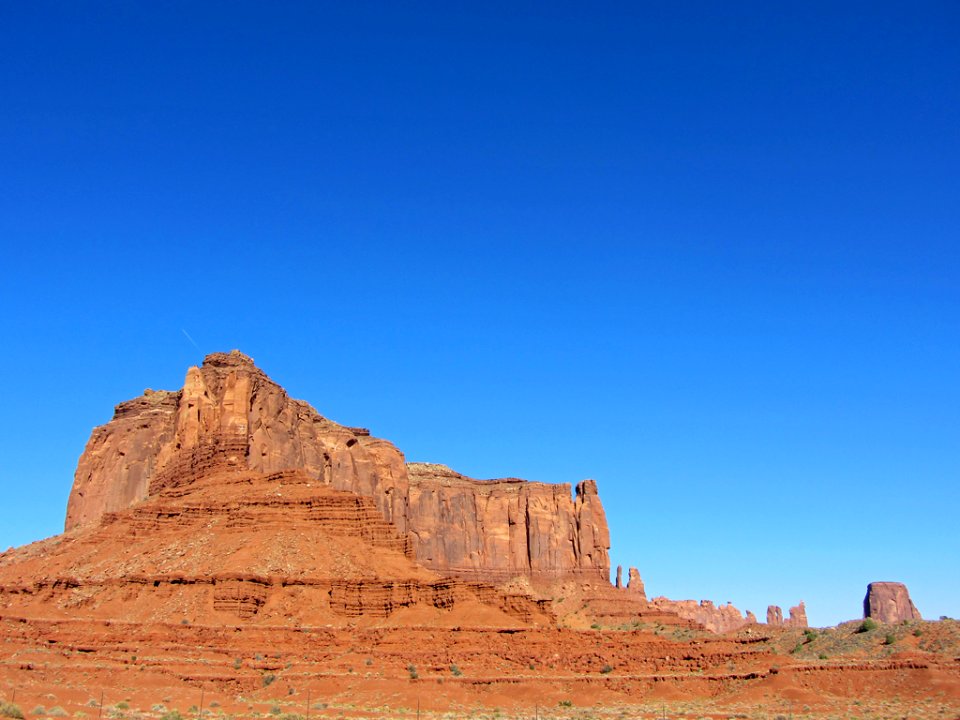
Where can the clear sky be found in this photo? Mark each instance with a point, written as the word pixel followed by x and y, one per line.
pixel 706 253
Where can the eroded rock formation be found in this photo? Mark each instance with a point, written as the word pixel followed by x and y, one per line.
pixel 797 618
pixel 889 602
pixel 635 584
pixel 229 412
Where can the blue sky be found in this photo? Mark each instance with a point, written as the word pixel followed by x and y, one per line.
pixel 704 253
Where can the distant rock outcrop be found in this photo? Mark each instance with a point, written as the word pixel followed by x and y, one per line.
pixel 635 584
pixel 797 618
pixel 230 412
pixel 889 602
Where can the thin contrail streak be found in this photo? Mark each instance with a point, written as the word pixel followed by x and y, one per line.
pixel 190 339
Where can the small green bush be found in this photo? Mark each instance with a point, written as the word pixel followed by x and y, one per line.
pixel 565 703
pixel 455 671
pixel 918 632
pixel 889 640
pixel 172 715
pixel 57 711
pixel 412 669
pixel 867 625
pixel 39 710
pixel 595 626
pixel 268 679
pixel 809 635
pixel 122 705
pixel 606 669
pixel 9 710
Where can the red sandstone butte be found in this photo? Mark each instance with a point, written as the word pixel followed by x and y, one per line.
pixel 230 412
pixel 889 602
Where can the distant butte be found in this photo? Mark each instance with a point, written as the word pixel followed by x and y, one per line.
pixel 889 602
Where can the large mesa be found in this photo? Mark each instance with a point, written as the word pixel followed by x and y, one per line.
pixel 230 413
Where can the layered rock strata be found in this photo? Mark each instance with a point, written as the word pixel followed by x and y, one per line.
pixel 226 544
pixel 230 413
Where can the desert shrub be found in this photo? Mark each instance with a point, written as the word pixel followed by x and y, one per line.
pixel 595 626
pixel 867 625
pixel 122 705
pixel 823 656
pixel 268 679
pixel 889 640
pixel 276 710
pixel 57 711
pixel 809 635
pixel 39 710
pixel 412 669
pixel 172 715
pixel 455 671
pixel 606 669
pixel 565 703
pixel 9 710
pixel 918 632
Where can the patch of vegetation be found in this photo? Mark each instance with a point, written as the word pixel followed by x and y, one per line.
pixel 565 703
pixel 455 671
pixel 918 632
pixel 276 710
pixel 606 669
pixel 867 625
pixel 268 679
pixel 809 635
pixel 57 711
pixel 889 639
pixel 595 626
pixel 122 705
pixel 172 715
pixel 823 656
pixel 39 710
pixel 412 669
pixel 9 710
pixel 237 663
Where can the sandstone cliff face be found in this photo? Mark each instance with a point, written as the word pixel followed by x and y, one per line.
pixel 503 528
pixel 889 602
pixel 230 412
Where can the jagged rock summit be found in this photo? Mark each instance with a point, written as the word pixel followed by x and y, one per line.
pixel 889 602
pixel 230 414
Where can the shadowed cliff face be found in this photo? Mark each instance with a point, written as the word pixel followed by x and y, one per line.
pixel 230 412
